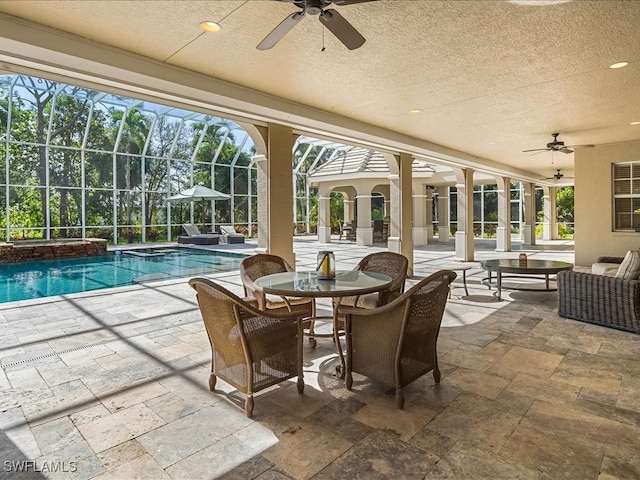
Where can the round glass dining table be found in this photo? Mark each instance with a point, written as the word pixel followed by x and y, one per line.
pixel 306 284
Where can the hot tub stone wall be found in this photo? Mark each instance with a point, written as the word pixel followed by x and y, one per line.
pixel 27 251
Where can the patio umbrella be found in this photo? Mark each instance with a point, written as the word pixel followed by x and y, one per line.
pixel 198 193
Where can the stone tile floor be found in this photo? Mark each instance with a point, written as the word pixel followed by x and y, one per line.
pixel 113 385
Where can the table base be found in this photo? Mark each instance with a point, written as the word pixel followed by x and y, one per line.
pixel 500 286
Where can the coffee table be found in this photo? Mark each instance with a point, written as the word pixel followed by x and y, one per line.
pixel 522 268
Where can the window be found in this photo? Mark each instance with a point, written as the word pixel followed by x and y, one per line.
pixel 626 196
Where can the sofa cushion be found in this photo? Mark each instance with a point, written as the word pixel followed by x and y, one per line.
pixel 607 269
pixel 630 266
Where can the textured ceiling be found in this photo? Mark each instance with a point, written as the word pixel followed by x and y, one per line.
pixel 492 78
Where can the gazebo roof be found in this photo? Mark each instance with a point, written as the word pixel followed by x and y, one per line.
pixel 347 160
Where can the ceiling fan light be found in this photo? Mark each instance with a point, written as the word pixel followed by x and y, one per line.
pixel 209 26
pixel 618 64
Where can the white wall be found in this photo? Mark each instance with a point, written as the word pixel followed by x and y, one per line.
pixel 594 205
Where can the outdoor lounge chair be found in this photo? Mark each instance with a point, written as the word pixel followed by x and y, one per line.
pixel 194 236
pixel 229 235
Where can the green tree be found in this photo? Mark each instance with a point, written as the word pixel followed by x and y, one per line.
pixel 565 205
pixel 69 123
pixel 130 138
pixel 158 171
pixel 218 148
pixel 41 95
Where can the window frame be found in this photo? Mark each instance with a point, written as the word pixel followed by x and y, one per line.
pixel 625 186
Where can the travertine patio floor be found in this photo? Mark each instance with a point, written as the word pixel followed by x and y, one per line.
pixel 114 385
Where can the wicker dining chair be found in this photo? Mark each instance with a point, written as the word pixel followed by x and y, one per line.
pixel 251 349
pixel 261 264
pixel 396 343
pixel 393 264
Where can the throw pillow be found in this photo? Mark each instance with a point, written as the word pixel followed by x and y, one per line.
pixel 630 266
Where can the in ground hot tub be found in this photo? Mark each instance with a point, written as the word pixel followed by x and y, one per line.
pixel 27 250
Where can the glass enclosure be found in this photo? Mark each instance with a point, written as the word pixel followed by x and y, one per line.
pixel 82 163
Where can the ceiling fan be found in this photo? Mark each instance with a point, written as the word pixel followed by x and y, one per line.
pixel 558 175
pixel 557 146
pixel 329 17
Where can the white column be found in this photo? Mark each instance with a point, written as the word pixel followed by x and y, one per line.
pixel 550 224
pixel 262 179
pixel 364 232
pixel 419 232
pixel 324 219
pixel 348 210
pixel 503 232
pixel 275 194
pixel 444 230
pixel 400 240
pixel 464 232
pixel 529 214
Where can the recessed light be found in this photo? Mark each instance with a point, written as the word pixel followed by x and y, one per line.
pixel 635 123
pixel 210 26
pixel 619 65
pixel 415 110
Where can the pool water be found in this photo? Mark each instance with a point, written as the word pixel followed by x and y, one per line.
pixel 46 278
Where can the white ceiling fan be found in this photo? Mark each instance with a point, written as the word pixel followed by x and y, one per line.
pixel 329 17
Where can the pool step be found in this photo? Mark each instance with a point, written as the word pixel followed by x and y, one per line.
pixel 144 254
pixel 152 253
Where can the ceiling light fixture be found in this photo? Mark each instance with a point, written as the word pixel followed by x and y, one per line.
pixel 415 110
pixel 208 26
pixel 635 123
pixel 211 26
pixel 619 65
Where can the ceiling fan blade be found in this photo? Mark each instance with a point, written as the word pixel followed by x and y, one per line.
pixel 280 31
pixel 580 146
pixel 565 150
pixel 536 150
pixel 342 29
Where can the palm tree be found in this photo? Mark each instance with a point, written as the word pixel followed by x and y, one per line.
pixel 132 137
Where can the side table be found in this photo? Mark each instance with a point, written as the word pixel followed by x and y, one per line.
pixel 463 269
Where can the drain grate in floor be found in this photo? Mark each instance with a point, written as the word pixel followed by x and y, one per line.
pixel 55 354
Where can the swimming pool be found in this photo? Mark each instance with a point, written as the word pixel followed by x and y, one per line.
pixel 46 278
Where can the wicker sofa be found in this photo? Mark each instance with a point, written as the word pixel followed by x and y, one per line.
pixel 600 299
